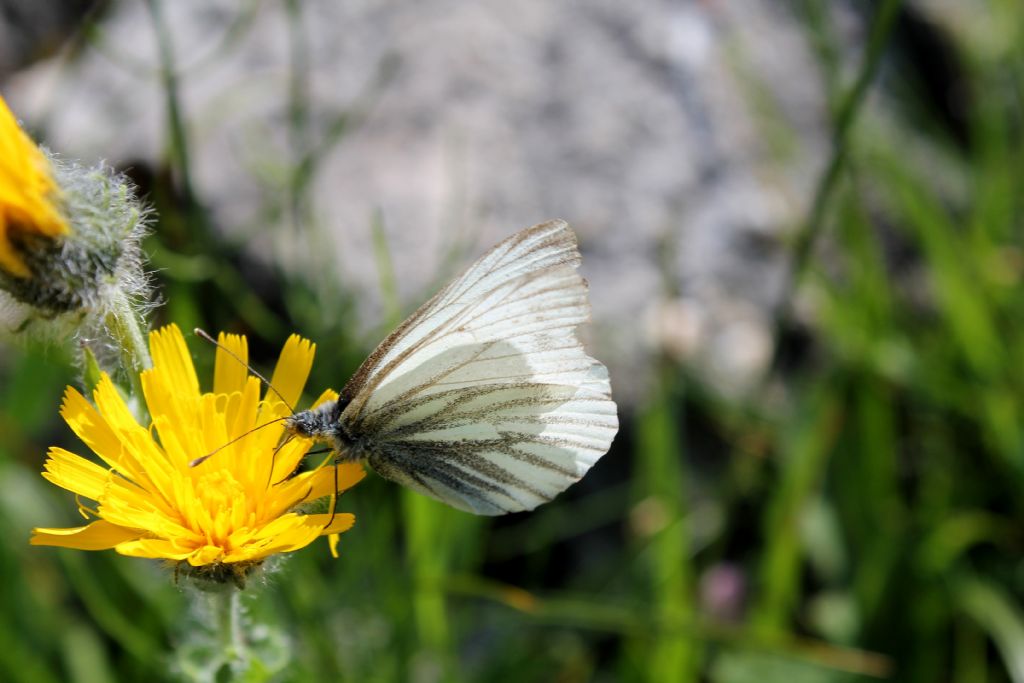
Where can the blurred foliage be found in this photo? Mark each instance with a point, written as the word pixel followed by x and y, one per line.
pixel 858 517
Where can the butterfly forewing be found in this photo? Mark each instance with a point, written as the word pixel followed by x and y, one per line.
pixel 528 251
pixel 484 398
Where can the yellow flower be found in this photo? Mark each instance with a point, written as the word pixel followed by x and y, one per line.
pixel 27 192
pixel 217 519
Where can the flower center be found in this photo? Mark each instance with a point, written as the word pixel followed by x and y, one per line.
pixel 219 491
pixel 223 508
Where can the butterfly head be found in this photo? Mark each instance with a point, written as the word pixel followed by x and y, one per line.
pixel 321 423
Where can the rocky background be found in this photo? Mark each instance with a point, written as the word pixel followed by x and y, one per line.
pixel 683 140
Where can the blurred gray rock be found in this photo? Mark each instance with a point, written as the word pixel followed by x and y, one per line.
pixel 682 140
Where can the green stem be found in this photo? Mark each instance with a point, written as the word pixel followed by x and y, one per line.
pixel 126 329
pixel 661 474
pixel 226 606
pixel 844 118
pixel 298 115
pixel 180 154
pixel 428 560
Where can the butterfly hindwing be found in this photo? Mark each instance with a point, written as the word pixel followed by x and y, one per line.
pixel 499 447
pixel 484 398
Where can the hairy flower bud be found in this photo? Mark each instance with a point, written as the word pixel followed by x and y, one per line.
pixel 71 264
pixel 96 261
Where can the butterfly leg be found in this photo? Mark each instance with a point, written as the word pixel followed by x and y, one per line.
pixel 334 497
pixel 319 451
pixel 273 461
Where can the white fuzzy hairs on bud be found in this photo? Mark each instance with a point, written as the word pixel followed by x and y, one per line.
pixel 84 284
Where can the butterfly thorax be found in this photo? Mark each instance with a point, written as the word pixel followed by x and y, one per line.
pixel 323 424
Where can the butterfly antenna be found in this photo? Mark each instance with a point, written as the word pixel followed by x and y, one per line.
pixel 203 458
pixel 202 334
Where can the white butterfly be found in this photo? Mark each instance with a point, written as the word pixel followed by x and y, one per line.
pixel 484 398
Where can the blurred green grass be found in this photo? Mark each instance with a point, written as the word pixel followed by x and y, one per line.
pixel 862 518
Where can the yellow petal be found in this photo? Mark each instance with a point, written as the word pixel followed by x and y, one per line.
pixel 242 409
pixel 328 395
pixel 153 548
pixel 91 427
pixel 127 506
pixel 76 474
pixel 172 359
pixel 288 458
pixel 99 535
pixel 140 457
pixel 27 193
pixel 320 482
pixel 208 554
pixel 293 368
pixel 230 373
pixel 10 261
pixel 343 521
pixel 285 534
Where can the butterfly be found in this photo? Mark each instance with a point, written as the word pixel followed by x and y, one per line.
pixel 483 398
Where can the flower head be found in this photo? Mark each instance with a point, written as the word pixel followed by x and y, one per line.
pixel 71 266
pixel 28 194
pixel 217 519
